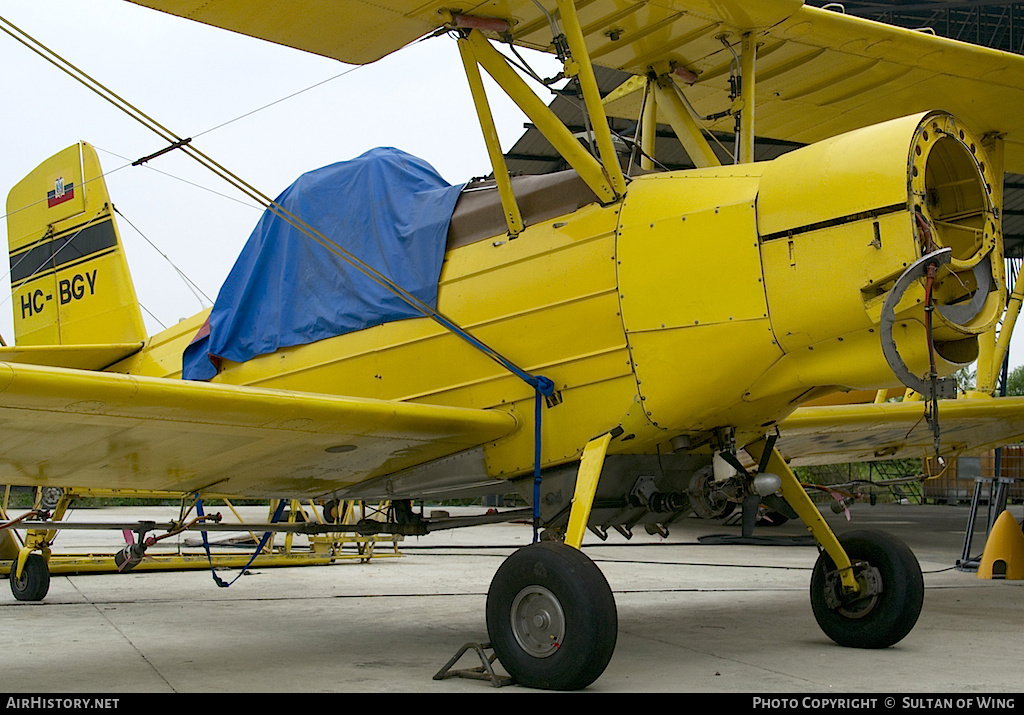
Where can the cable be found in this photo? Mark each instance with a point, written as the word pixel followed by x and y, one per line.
pixel 150 314
pixel 269 204
pixel 176 178
pixel 542 386
pixel 51 262
pixel 192 286
pixel 277 101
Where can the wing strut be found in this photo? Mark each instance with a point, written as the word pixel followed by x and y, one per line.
pixel 743 95
pixel 589 168
pixel 579 66
pixel 663 95
pixel 603 175
pixel 513 216
pixel 748 57
pixel 682 122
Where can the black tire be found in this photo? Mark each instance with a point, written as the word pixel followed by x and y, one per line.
pixel 551 617
pixel 332 511
pixel 34 582
pixel 875 621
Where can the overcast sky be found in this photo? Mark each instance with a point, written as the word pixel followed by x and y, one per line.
pixel 193 78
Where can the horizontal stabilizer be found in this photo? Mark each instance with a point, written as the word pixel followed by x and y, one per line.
pixel 79 357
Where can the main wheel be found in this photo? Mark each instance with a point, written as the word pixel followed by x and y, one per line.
pixel 551 617
pixel 891 596
pixel 34 581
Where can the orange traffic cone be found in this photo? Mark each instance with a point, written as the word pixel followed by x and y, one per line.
pixel 1004 550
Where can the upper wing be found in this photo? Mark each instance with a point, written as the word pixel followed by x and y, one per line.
pixel 363 31
pixel 839 434
pixel 353 31
pixel 73 428
pixel 819 73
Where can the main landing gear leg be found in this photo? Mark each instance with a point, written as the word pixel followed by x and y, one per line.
pixel 551 615
pixel 866 588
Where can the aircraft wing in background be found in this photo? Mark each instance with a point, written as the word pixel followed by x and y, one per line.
pixel 837 434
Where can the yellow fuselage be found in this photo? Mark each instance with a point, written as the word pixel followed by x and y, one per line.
pixel 705 299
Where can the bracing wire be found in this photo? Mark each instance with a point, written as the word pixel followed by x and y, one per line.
pixel 189 283
pixel 184 145
pixel 53 258
pixel 150 167
pixel 542 387
pixel 150 314
pixel 276 101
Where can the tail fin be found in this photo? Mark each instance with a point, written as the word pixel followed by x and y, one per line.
pixel 69 277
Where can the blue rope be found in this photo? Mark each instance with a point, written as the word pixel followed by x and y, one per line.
pixel 263 542
pixel 543 387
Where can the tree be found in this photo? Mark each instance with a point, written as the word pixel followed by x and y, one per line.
pixel 965 379
pixel 1015 381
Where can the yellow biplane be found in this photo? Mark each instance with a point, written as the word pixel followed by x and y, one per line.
pixel 614 345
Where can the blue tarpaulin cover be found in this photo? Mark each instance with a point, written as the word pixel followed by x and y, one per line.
pixel 389 209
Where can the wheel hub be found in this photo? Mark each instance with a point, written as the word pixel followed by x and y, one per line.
pixel 538 622
pixel 863 602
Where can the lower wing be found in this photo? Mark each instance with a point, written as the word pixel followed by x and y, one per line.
pixel 77 428
pixel 837 434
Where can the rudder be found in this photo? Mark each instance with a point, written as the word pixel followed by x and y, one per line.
pixel 70 281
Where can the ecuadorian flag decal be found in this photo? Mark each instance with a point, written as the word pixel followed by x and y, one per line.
pixel 61 192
